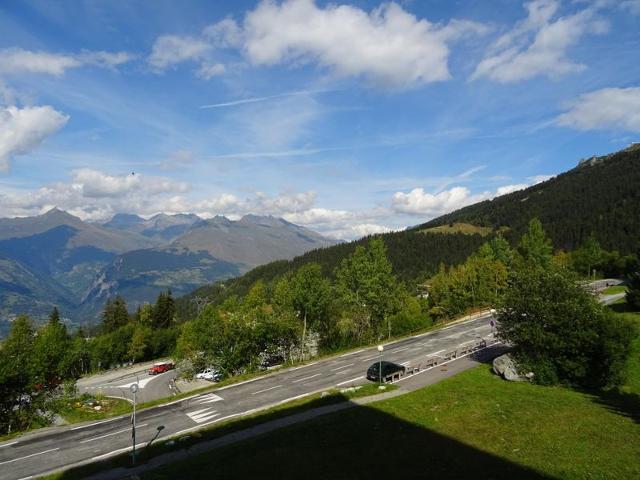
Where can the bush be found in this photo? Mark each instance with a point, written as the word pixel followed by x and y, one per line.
pixel 560 332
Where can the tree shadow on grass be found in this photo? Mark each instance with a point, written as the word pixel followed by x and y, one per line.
pixel 623 403
pixel 359 442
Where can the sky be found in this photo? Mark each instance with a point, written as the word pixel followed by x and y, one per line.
pixel 349 118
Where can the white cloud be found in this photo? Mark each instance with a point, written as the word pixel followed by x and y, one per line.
pixel 105 59
pixel 419 202
pixel 536 179
pixel 632 6
pixel 609 108
pixel 97 184
pixel 224 34
pixel 169 50
pixel 208 71
pixel 17 60
pixel 95 195
pixel 388 45
pixel 24 129
pixel 538 45
pixel 510 189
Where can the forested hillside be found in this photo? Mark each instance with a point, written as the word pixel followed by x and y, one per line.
pixel 600 198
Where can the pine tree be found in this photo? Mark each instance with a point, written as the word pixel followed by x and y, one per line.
pixel 535 247
pixel 115 314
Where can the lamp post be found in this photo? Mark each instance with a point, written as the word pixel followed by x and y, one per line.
pixel 493 321
pixel 380 349
pixel 134 389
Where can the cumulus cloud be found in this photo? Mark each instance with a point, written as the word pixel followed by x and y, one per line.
pixel 387 45
pixel 341 224
pixel 95 195
pixel 609 108
pixel 419 202
pixel 504 190
pixel 97 184
pixel 538 45
pixel 24 129
pixel 17 60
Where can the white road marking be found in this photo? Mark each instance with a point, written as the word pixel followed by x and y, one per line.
pixel 8 444
pixel 306 378
pixel 209 398
pixel 435 354
pixel 301 366
pixel 405 363
pixel 266 390
pixel 239 383
pixel 200 416
pixel 29 456
pixel 369 358
pixel 343 366
pixel 350 381
pixel 94 424
pixel 141 383
pixel 352 353
pixel 399 349
pixel 111 434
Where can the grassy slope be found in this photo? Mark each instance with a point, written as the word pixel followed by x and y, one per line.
pixel 470 425
pixel 466 228
pixel 614 290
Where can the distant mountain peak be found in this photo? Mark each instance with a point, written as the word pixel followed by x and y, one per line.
pixel 60 215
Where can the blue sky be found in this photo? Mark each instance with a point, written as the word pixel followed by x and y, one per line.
pixel 349 118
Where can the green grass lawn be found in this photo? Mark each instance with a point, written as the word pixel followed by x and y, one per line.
pixel 615 289
pixel 473 425
pixel 78 410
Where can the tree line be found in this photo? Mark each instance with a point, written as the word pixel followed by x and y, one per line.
pixel 308 310
pixel 36 363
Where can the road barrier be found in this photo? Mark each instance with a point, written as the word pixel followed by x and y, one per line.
pixel 461 350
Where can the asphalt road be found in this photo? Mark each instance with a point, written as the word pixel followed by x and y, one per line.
pixel 44 452
pixel 150 387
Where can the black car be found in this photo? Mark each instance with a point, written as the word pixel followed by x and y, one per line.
pixel 388 368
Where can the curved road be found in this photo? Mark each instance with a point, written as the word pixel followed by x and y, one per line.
pixel 62 447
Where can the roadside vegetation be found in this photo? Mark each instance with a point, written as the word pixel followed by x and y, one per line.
pixel 505 429
pixel 307 312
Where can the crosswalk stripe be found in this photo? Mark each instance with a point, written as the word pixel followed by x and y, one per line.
pixel 210 398
pixel 200 416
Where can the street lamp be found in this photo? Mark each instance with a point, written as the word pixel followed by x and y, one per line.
pixel 380 349
pixel 493 321
pixel 134 390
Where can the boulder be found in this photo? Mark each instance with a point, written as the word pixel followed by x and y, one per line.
pixel 506 368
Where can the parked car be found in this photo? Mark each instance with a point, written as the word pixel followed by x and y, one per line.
pixel 210 374
pixel 388 368
pixel 161 367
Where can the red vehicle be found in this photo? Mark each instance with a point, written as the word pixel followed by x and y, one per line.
pixel 159 368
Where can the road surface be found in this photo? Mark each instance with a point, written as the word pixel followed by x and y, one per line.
pixel 44 452
pixel 151 387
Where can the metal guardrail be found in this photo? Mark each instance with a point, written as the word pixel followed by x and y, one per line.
pixel 461 350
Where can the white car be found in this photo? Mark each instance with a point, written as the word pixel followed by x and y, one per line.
pixel 209 374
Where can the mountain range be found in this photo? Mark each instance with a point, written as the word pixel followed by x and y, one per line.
pixel 57 259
